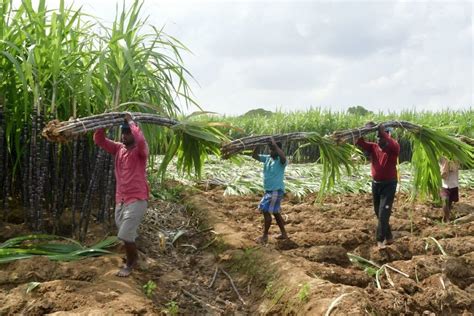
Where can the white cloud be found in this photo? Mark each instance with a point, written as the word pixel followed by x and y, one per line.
pixel 297 54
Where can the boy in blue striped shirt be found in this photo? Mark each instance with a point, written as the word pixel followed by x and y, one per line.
pixel 273 183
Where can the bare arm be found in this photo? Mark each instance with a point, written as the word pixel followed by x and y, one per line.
pixel 140 141
pixel 392 146
pixel 106 144
pixel 364 144
pixel 278 150
pixel 255 154
pixel 444 168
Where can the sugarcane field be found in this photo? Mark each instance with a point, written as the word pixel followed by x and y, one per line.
pixel 139 174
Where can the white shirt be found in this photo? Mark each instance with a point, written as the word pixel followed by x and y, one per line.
pixel 451 179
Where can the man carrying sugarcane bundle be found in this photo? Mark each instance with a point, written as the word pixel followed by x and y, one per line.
pixel 383 156
pixel 449 188
pixel 131 192
pixel 273 183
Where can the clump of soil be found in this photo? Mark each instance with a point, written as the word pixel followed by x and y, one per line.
pixel 202 257
pixel 323 234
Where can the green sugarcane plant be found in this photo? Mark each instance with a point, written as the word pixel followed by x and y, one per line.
pixel 63 63
pixel 325 122
pixel 429 146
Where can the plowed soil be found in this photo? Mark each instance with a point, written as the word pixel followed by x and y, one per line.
pixel 183 244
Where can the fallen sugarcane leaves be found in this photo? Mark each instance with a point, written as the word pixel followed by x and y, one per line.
pixel 33 245
pixel 369 266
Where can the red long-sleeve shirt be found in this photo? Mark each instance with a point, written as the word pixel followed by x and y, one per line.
pixel 383 160
pixel 130 165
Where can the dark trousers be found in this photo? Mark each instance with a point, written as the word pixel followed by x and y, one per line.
pixel 383 194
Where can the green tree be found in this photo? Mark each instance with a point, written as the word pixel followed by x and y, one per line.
pixel 358 110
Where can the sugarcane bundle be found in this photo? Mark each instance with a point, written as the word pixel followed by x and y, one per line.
pixel 333 157
pixel 353 134
pixel 251 142
pixel 57 131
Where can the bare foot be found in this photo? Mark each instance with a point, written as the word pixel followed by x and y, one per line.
pixel 124 272
pixel 281 236
pixel 381 245
pixel 262 240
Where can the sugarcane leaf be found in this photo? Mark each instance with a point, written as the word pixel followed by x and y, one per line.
pixel 18 240
pixel 31 286
pixel 57 248
pixel 107 243
pixel 6 252
pixel 178 234
pixel 13 257
pixel 79 254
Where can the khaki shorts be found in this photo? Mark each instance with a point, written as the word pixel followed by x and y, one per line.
pixel 127 219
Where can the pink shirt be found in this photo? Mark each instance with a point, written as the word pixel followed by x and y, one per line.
pixel 130 165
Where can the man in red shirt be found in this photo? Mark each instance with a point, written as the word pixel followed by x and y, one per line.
pixel 383 157
pixel 131 192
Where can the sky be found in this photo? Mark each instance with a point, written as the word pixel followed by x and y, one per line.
pixel 294 55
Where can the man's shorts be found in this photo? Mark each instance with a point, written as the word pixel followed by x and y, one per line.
pixel 271 201
pixel 452 194
pixel 127 219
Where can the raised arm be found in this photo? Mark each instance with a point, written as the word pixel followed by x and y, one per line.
pixel 367 146
pixel 362 143
pixel 444 167
pixel 255 154
pixel 392 145
pixel 278 150
pixel 140 140
pixel 106 144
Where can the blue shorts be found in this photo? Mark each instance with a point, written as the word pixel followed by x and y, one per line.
pixel 271 201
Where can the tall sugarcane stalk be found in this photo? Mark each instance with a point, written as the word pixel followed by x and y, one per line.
pixel 3 167
pixel 41 175
pixel 53 183
pixel 76 156
pixel 92 187
pixel 61 176
pixel 110 190
pixel 32 171
pixel 102 184
pixel 25 169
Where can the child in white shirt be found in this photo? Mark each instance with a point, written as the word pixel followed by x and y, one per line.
pixel 450 183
